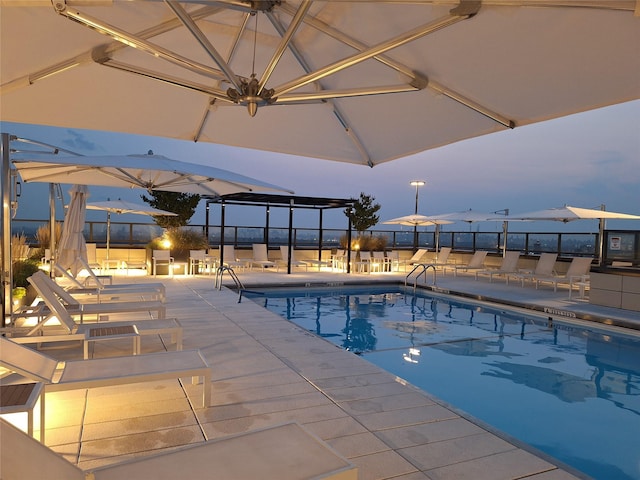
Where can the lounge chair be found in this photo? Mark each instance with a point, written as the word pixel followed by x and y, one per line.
pixel 284 260
pixel 92 260
pixel 93 332
pixel 156 291
pixel 509 265
pixel 103 372
pixel 577 273
pixel 230 258
pixel 364 263
pixel 280 451
pixel 476 262
pixel 415 259
pixel 544 268
pixel 260 257
pixel 49 290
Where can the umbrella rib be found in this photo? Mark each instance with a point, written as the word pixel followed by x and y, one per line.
pixel 136 42
pixel 368 53
pixel 336 110
pixel 404 69
pixel 286 39
pixel 190 24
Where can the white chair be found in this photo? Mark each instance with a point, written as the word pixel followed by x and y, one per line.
pixel 92 256
pixel 47 257
pixel 51 292
pixel 577 275
pixel 101 372
pixel 509 265
pixel 476 262
pixel 200 261
pixel 380 262
pixel 230 259
pixel 284 253
pixel 339 260
pixel 544 268
pixel 162 257
pixel 260 256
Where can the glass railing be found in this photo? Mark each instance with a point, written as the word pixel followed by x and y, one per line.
pixel 619 245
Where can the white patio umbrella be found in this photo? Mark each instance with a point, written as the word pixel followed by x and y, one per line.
pixel 72 246
pixel 417 220
pixel 150 172
pixel 355 81
pixel 121 206
pixel 470 216
pixel 568 214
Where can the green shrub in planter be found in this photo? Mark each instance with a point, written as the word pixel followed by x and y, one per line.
pixel 23 269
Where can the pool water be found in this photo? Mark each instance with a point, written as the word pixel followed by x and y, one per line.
pixel 570 392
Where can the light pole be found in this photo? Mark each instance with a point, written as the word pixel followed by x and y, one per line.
pixel 417 184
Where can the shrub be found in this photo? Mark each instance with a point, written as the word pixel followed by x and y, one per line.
pixel 23 269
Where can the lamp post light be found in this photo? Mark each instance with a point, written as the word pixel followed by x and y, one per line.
pixel 417 184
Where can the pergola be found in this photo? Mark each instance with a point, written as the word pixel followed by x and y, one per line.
pixel 280 201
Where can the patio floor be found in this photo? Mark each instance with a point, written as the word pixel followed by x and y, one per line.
pixel 267 371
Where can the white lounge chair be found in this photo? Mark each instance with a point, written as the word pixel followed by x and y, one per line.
pixel 92 260
pixel 149 291
pixel 93 332
pixel 285 451
pixel 103 372
pixel 476 262
pixel 49 290
pixel 509 265
pixel 415 259
pixel 544 268
pixel 261 257
pixel 230 258
pixel 577 273
pixel 284 260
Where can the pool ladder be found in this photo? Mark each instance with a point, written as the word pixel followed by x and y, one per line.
pixel 220 272
pixel 423 267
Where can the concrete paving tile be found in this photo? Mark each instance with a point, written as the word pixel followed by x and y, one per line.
pixel 413 476
pixel 303 416
pixel 407 416
pixel 382 465
pixel 98 412
pixel 279 376
pixel 261 392
pixel 335 427
pixel 350 395
pixel 428 432
pixel 355 380
pixel 137 424
pixel 140 442
pixel 387 403
pixel 358 445
pixel 501 466
pixel 554 475
pixel 451 452
pixel 63 436
pixel 265 406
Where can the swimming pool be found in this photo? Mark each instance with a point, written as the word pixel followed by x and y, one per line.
pixel 569 391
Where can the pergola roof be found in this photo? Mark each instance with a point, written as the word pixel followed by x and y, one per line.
pixel 264 199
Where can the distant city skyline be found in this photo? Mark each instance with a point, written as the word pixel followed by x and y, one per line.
pixel 583 160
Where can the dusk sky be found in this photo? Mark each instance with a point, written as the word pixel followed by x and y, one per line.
pixel 583 160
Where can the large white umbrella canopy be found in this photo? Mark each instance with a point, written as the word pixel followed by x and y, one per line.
pixel 151 172
pixel 468 216
pixel 416 220
pixel 355 81
pixel 568 213
pixel 122 206
pixel 72 247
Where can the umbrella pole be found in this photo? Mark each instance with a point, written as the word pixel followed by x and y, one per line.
pixel 108 234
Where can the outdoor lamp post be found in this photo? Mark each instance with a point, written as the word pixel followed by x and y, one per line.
pixel 417 184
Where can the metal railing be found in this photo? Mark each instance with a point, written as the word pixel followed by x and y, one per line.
pixel 620 245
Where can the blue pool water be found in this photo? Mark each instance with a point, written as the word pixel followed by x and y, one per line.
pixel 570 392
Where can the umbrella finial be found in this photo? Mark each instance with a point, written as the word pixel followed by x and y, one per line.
pixel 150 152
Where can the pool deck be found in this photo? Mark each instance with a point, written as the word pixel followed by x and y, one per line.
pixel 267 371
